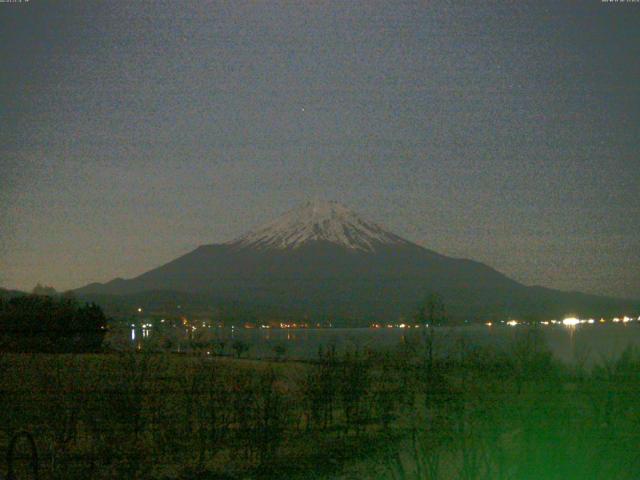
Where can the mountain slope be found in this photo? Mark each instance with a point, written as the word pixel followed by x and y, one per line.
pixel 324 260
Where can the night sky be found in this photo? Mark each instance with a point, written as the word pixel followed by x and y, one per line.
pixel 132 132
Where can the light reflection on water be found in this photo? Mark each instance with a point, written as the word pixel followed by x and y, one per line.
pixel 583 343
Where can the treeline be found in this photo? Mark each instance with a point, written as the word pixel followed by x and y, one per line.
pixel 39 323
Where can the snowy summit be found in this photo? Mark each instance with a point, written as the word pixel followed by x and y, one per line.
pixel 319 221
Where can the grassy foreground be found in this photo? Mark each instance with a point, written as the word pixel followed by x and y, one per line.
pixel 406 414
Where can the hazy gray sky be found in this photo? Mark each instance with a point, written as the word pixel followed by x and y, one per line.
pixel 507 132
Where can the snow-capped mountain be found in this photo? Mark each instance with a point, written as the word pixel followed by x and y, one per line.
pixel 323 260
pixel 319 221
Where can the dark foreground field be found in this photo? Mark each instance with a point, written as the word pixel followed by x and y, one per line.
pixel 406 414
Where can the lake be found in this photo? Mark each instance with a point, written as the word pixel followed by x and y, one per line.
pixel 584 343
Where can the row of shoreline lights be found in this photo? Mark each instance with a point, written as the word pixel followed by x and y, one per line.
pixel 572 321
pixel 568 322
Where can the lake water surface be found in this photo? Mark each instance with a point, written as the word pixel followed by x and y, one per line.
pixel 587 344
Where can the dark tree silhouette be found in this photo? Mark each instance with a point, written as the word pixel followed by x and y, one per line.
pixel 40 289
pixel 48 324
pixel 432 311
pixel 240 347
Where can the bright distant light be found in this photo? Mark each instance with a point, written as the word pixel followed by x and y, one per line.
pixel 570 321
pixel 544 322
pixel 402 325
pixel 139 309
pixel 512 323
pixel 488 324
pixel 616 320
pixel 626 320
pixel 591 321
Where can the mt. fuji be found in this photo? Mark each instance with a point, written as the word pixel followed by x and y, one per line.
pixel 323 260
pixel 319 221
